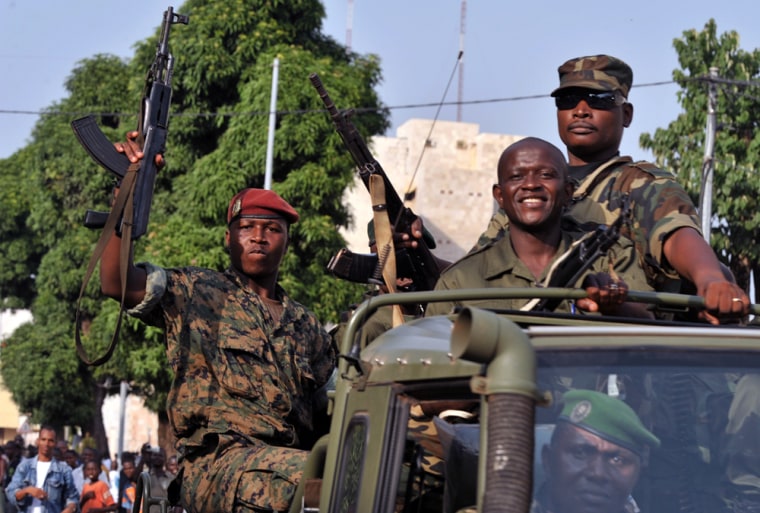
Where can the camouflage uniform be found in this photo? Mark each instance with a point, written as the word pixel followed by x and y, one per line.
pixel 241 400
pixel 497 266
pixel 659 206
pixel 742 447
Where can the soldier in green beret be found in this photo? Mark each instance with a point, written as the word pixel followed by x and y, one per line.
pixel 592 114
pixel 249 362
pixel 594 458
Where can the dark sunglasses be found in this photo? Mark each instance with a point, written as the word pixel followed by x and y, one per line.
pixel 602 101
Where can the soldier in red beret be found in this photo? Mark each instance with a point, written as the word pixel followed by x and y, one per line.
pixel 250 364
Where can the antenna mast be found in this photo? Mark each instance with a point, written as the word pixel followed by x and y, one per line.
pixel 462 17
pixel 349 24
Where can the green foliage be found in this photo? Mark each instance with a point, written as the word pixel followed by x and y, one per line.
pixel 42 373
pixel 680 147
pixel 217 145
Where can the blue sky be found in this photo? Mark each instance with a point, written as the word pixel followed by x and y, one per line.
pixel 511 50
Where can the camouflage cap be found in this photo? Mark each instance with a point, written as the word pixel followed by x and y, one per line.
pixel 600 72
pixel 608 418
pixel 426 235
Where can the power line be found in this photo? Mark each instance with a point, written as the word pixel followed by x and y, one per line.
pixel 359 110
pixel 299 111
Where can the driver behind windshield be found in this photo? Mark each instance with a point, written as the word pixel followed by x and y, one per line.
pixel 594 458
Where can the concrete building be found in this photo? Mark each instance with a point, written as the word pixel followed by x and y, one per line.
pixel 10 417
pixel 451 186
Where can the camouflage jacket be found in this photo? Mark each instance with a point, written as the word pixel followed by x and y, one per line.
pixel 659 206
pixel 235 370
pixel 497 266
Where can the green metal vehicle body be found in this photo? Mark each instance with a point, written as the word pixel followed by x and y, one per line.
pixel 501 375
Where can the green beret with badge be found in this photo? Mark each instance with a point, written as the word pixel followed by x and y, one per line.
pixel 608 418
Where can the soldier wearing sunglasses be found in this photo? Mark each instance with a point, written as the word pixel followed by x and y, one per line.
pixel 592 113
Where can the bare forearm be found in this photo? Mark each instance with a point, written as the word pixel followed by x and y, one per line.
pixel 692 258
pixel 110 273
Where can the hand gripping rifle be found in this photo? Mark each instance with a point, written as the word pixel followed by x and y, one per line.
pixel 131 209
pixel 420 259
pixel 152 130
pixel 569 268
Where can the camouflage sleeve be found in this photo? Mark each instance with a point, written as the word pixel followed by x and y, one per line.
pixel 324 357
pixel 626 265
pixel 155 288
pixel 662 206
pixel 742 445
pixel 495 230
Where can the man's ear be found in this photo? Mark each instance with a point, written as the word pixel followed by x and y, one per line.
pixel 227 240
pixel 496 192
pixel 569 190
pixel 627 114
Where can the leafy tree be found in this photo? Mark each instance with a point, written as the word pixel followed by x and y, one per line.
pixel 217 145
pixel 680 147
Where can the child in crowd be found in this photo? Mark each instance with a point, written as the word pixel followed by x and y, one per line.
pixel 96 495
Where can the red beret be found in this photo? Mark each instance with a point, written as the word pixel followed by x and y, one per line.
pixel 260 203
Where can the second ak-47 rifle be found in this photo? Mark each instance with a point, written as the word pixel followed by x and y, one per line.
pixel 425 270
pixel 582 255
pixel 131 209
pixel 152 131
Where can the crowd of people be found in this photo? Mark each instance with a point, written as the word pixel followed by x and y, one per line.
pixel 252 365
pixel 50 476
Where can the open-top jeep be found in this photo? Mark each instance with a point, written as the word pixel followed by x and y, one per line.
pixel 452 413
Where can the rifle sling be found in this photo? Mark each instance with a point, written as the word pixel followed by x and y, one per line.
pixel 384 237
pixel 123 208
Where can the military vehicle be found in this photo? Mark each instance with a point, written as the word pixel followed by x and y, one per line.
pixel 451 413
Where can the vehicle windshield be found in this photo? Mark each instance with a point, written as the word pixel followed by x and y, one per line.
pixel 702 406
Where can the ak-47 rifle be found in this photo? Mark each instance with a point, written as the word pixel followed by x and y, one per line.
pixel 582 256
pixel 131 208
pixel 152 130
pixel 420 259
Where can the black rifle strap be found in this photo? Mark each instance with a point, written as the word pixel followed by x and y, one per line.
pixel 123 208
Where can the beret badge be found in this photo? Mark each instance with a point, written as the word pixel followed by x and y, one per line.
pixel 237 207
pixel 580 412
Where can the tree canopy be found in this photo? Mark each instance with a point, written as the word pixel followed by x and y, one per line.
pixel 680 146
pixel 216 146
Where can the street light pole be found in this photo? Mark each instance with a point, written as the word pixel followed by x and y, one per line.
pixel 705 200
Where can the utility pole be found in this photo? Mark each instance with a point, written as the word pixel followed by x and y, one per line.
pixel 123 391
pixel 708 161
pixel 268 170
